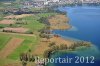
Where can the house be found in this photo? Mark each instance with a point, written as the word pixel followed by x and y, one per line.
pixel 39 3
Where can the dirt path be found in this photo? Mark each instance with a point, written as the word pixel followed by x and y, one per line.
pixel 10 47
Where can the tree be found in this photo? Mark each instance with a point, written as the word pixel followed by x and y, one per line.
pixel 47 37
pixel 24 63
pixel 52 44
pixel 11 25
pixel 47 53
pixel 62 47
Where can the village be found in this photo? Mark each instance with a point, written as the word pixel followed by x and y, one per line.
pixel 27 7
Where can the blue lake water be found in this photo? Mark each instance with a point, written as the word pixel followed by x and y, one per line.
pixel 85 22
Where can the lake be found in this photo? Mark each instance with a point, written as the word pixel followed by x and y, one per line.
pixel 85 22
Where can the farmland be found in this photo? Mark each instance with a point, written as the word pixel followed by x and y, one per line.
pixel 28 41
pixel 22 35
pixel 10 47
pixel 3 40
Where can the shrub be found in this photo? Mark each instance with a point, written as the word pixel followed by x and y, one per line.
pixel 1 26
pixel 52 44
pixel 29 32
pixel 47 53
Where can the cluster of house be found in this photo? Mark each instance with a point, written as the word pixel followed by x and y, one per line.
pixel 24 9
pixel 42 3
pixel 90 1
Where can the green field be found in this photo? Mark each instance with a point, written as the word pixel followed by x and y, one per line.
pixel 29 42
pixel 3 40
pixel 33 21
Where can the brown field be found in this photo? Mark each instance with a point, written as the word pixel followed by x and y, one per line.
pixel 7 22
pixel 10 47
pixel 41 48
pixel 58 19
pixel 17 30
pixel 17 16
pixel 59 22
pixel 14 64
pixel 10 17
pixel 60 41
pixel 60 27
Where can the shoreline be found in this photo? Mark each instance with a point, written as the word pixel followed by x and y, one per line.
pixel 94 51
pixel 57 40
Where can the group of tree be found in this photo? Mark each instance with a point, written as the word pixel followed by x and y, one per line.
pixel 21 21
pixel 24 23
pixel 26 57
pixel 45 32
pixel 29 32
pixel 8 31
pixel 52 44
pixel 54 48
